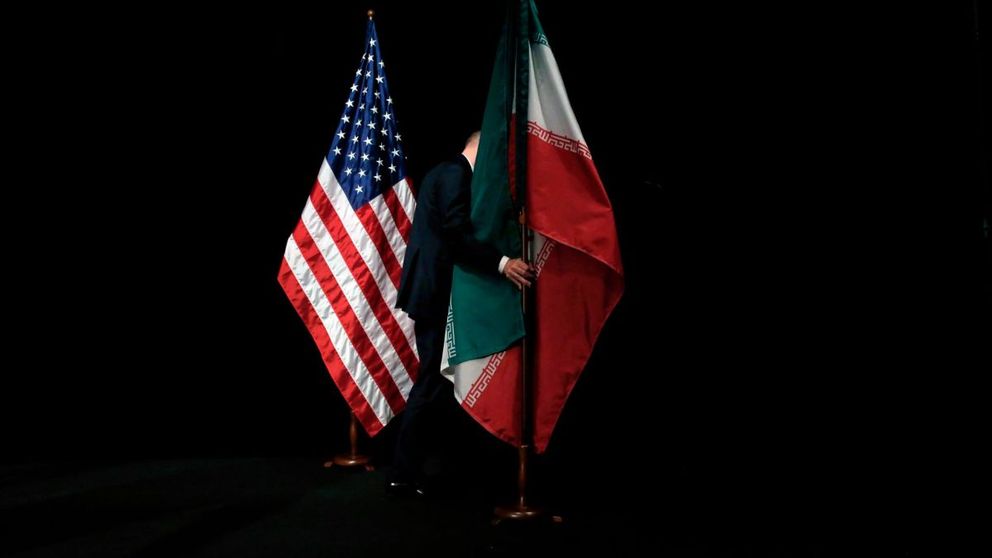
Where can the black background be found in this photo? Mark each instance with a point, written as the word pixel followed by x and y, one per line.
pixel 797 191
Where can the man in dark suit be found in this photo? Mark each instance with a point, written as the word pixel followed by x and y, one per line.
pixel 441 237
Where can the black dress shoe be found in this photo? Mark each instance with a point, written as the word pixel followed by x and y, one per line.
pixel 402 488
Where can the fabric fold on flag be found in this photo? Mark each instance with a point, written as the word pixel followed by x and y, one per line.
pixel 342 264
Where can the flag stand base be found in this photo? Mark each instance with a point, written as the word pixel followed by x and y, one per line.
pixel 518 513
pixel 524 515
pixel 346 460
pixel 521 511
pixel 352 458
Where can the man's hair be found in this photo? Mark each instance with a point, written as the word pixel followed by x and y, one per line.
pixel 474 137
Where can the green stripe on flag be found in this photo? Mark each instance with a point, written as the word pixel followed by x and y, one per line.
pixel 485 308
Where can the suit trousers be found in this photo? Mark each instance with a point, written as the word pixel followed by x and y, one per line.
pixel 431 399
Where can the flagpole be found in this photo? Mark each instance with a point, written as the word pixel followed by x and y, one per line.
pixel 522 509
pixel 352 458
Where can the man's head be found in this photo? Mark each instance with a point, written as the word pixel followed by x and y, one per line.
pixel 474 139
pixel 472 147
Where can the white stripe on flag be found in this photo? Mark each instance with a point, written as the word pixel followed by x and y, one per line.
pixel 336 333
pixel 365 247
pixel 548 102
pixel 407 198
pixel 396 242
pixel 353 293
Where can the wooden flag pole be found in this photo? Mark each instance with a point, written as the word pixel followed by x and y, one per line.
pixel 522 510
pixel 352 459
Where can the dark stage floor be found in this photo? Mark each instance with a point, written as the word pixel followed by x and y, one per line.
pixel 293 507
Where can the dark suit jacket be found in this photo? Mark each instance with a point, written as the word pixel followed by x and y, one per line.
pixel 441 237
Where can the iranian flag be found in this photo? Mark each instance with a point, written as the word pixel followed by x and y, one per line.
pixel 574 247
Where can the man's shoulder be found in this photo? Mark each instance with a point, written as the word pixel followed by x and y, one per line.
pixel 454 164
pixel 450 169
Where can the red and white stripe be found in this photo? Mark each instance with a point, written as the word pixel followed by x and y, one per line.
pixel 341 271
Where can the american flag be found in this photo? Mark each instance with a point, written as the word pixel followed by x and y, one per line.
pixel 342 264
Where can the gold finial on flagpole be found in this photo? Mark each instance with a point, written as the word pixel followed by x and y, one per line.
pixel 371 13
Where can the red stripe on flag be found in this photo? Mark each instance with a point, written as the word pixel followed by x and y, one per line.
pixel 398 213
pixel 566 202
pixel 363 276
pixel 356 400
pixel 581 280
pixel 499 410
pixel 575 295
pixel 352 326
